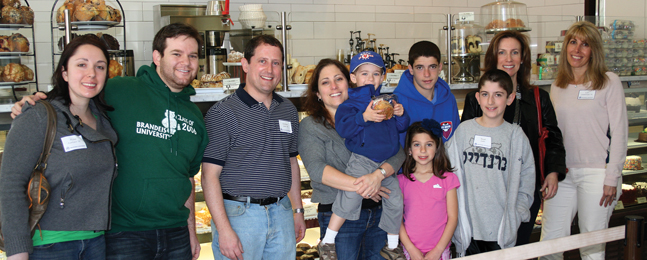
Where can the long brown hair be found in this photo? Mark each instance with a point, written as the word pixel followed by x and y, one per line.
pixel 491 56
pixel 311 103
pixel 440 161
pixel 596 69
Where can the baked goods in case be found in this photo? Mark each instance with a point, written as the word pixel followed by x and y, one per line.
pixel 214 80
pixel 12 3
pixel 114 69
pixel 29 74
pixel 19 43
pixel 633 162
pixel 85 12
pixel 111 42
pixel 234 56
pixel 13 72
pixel 27 15
pixel 11 15
pixel 299 75
pixel 508 23
pixel 309 70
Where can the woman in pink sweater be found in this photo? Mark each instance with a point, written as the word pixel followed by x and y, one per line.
pixel 590 107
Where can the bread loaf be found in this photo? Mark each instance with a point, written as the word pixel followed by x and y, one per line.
pixel 13 72
pixel 309 71
pixel 114 69
pixel 19 43
pixel 29 74
pixel 300 75
pixel 27 15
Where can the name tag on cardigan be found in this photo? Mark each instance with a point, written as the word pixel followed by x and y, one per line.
pixel 73 142
pixel 483 141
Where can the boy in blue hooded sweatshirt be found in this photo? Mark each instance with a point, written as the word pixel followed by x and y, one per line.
pixel 423 94
pixel 372 138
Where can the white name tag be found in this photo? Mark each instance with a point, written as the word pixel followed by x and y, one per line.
pixel 483 141
pixel 285 126
pixel 586 94
pixel 73 142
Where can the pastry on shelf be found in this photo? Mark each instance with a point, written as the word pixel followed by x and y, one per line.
pixel 85 12
pixel 27 15
pixel 111 42
pixel 19 43
pixel 60 40
pixel 29 74
pixel 13 72
pixel 633 162
pixel 13 3
pixel 114 69
pixel 11 15
pixel 5 45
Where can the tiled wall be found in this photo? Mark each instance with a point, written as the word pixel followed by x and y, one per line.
pixel 320 27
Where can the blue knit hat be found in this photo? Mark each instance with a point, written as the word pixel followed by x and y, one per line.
pixel 367 57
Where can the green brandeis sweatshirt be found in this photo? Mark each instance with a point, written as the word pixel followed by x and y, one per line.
pixel 162 137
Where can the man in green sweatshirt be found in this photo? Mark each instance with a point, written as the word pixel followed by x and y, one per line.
pixel 162 137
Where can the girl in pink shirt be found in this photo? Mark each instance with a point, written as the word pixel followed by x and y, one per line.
pixel 429 191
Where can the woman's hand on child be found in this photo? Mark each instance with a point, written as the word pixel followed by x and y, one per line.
pixel 398 109
pixel 369 184
pixel 373 115
pixel 549 189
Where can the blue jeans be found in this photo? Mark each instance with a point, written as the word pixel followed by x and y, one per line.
pixel 265 232
pixel 171 243
pixel 357 239
pixel 79 249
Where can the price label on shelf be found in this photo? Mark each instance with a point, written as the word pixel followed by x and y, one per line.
pixel 620 205
pixel 466 16
pixel 558 46
pixel 392 78
pixel 642 200
pixel 232 83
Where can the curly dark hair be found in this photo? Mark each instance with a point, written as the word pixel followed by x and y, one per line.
pixel 311 104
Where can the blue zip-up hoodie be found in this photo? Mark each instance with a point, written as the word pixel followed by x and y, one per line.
pixel 442 108
pixel 377 141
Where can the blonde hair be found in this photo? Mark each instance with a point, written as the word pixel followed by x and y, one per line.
pixel 596 68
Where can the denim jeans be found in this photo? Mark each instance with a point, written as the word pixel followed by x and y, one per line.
pixel 171 243
pixel 265 232
pixel 357 239
pixel 79 249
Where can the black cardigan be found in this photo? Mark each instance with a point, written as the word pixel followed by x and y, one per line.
pixel 555 159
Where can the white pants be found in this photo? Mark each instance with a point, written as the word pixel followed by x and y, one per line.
pixel 581 192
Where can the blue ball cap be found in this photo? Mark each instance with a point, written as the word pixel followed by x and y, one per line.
pixel 366 57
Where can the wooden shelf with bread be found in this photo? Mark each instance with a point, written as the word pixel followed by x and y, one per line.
pixel 104 18
pixel 17 55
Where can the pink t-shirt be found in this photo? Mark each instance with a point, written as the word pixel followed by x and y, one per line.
pixel 425 208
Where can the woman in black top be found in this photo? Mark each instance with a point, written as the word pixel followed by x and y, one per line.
pixel 509 51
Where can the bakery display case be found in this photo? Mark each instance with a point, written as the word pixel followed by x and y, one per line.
pixel 105 19
pixel 17 51
pixel 504 15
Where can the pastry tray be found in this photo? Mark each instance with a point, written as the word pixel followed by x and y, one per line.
pixel 521 29
pixel 14 26
pixel 15 83
pixel 14 53
pixel 209 90
pixel 90 25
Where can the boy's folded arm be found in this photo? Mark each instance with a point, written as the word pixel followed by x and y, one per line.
pixel 346 122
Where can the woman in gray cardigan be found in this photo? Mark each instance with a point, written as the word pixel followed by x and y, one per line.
pixel 81 166
pixel 325 157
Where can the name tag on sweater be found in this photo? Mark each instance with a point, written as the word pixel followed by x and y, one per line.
pixel 483 141
pixel 285 126
pixel 586 94
pixel 73 142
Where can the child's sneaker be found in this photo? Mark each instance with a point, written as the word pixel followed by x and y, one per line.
pixel 327 252
pixel 393 254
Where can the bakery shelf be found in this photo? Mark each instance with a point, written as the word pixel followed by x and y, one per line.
pixel 16 53
pixel 629 172
pixel 632 144
pixel 84 26
pixel 14 26
pixel 232 64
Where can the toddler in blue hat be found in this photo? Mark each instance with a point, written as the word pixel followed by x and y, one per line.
pixel 372 135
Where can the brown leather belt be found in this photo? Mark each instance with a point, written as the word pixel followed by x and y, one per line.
pixel 262 202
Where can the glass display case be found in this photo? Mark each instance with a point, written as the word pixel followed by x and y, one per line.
pixel 504 15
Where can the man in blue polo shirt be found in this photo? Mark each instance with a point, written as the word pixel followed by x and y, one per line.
pixel 250 174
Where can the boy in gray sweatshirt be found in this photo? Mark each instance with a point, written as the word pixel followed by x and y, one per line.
pixel 495 166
